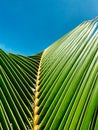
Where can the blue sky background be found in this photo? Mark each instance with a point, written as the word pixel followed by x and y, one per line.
pixel 29 26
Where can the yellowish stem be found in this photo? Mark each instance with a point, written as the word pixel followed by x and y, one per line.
pixel 36 100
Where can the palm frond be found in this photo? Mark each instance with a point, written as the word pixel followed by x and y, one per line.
pixel 55 89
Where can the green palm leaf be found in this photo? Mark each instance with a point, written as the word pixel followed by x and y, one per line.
pixel 55 89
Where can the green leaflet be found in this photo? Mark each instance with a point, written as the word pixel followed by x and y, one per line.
pixel 55 89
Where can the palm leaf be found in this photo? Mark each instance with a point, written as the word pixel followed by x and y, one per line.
pixel 55 89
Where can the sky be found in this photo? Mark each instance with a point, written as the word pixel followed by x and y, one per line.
pixel 29 26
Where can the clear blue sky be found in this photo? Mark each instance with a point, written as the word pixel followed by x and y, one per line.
pixel 29 26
